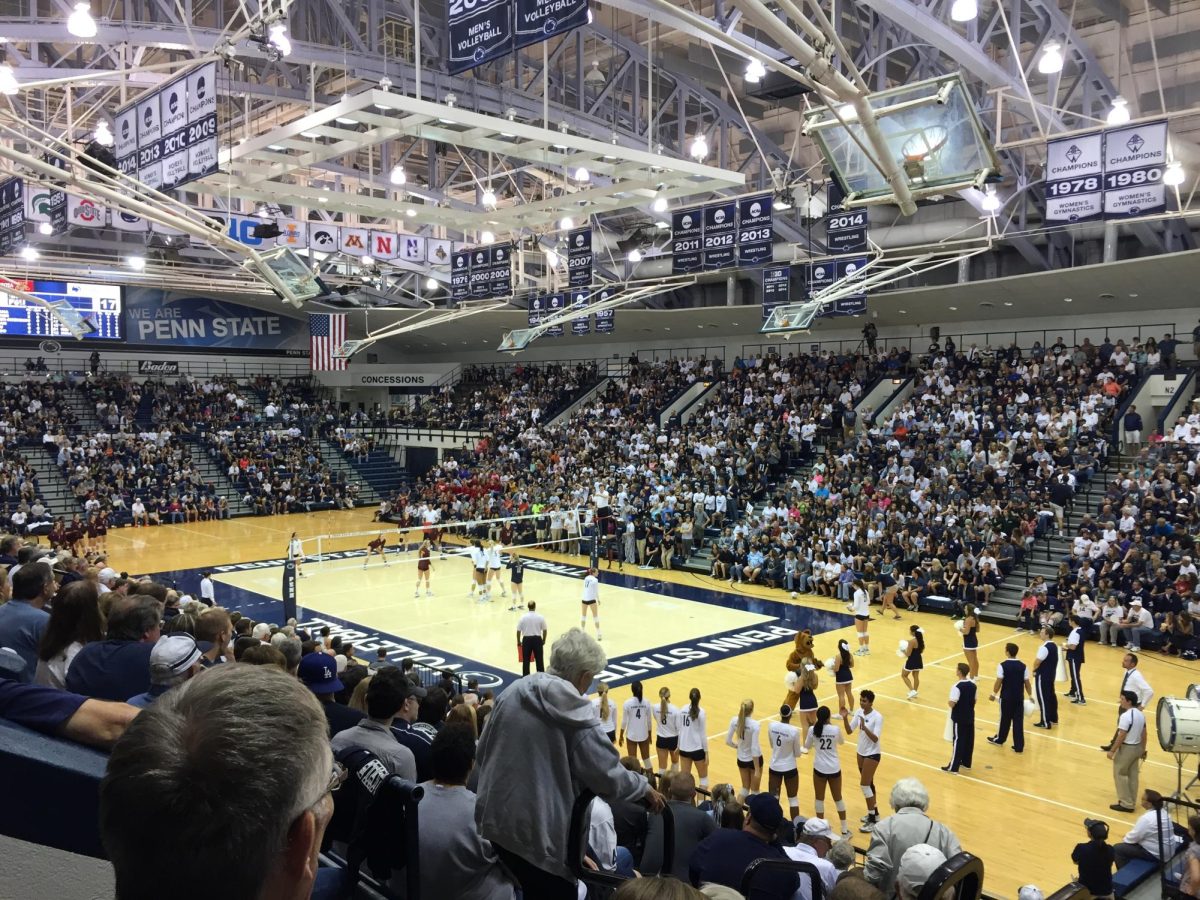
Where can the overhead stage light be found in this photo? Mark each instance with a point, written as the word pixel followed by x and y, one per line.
pixel 487 237
pixel 1051 60
pixel 1119 114
pixel 277 38
pixel 1174 175
pixel 582 174
pixel 8 80
pixel 634 256
pixel 103 136
pixel 755 71
pixel 991 202
pixel 137 263
pixel 80 23
pixel 964 10
pixel 29 254
pixel 46 228
pixel 398 175
pixel 431 284
pixel 489 198
pixel 660 203
pixel 699 148
pixel 566 223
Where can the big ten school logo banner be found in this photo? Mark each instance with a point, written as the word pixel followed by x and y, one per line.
pixel 581 324
pixel 157 318
pixel 1135 159
pixel 1074 178
pixel 579 257
pixel 168 136
pixel 776 288
pixel 687 252
pixel 755 231
pixel 845 229
pixel 720 234
pixel 540 20
pixel 480 31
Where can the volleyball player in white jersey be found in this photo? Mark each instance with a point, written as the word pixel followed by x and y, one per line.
pixel 869 722
pixel 743 737
pixel 495 564
pixel 479 561
pixel 861 607
pixel 666 741
pixel 693 738
pixel 591 600
pixel 635 726
pixel 825 739
pixel 785 745
pixel 296 552
pixel 606 712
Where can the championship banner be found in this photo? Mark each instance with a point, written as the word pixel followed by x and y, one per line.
pixel 480 31
pixel 720 232
pixel 500 270
pixel 755 230
pixel 540 20
pixel 481 272
pixel 835 271
pixel 55 207
pixel 687 228
pixel 537 305
pixel 776 288
pixel 12 215
pixel 554 305
pixel 606 319
pixel 168 136
pixel 579 257
pixel 1074 172
pixel 845 229
pixel 460 275
pixel 1134 161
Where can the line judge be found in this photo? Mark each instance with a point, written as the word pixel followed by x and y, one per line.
pixel 531 635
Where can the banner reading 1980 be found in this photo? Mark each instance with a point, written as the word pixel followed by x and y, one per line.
pixel 1115 173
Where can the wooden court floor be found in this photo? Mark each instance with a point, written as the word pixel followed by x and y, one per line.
pixel 1022 813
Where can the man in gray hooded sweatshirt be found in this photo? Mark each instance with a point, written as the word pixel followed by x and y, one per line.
pixel 542 746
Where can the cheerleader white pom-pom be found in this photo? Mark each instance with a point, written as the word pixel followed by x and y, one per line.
pixel 903 646
pixel 829 663
pixel 901 654
pixel 958 625
pixel 809 667
pixel 790 681
pixel 1030 706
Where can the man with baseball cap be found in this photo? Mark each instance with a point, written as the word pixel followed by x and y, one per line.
pixel 724 856
pixel 812 846
pixel 1139 622
pixel 318 672
pixel 174 659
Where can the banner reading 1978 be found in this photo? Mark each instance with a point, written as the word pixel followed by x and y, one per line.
pixel 1115 173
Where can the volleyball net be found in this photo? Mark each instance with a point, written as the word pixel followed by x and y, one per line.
pixel 561 531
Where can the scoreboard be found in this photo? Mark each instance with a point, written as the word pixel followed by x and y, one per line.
pixel 99 304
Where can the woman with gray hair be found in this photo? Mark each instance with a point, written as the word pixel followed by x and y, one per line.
pixel 543 744
pixel 908 826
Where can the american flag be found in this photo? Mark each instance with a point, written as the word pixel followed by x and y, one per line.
pixel 326 332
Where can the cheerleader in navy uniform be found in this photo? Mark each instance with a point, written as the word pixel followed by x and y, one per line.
pixel 970 635
pixel 842 666
pixel 962 718
pixel 1075 662
pixel 913 663
pixel 1044 668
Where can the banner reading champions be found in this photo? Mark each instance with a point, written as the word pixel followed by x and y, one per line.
pixel 157 318
pixel 1115 173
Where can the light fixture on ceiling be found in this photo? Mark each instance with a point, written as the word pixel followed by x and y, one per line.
pixel 582 174
pixel 80 23
pixel 699 147
pixel 489 197
pixel 952 308
pixel 410 212
pixel 343 119
pixel 661 225
pixel 8 80
pixel 103 135
pixel 755 71
pixel 551 258
pixel 964 10
pixel 29 254
pixel 595 75
pixel 368 262
pixel 564 129
pixel 566 223
pixel 1119 114
pixel 277 38
pixel 634 255
pixel 385 85
pixel 451 101
pixel 660 202
pixel 1174 175
pixel 398 176
pixel 991 202
pixel 487 237
pixel 1051 60
pixel 431 283
pixel 46 228
pixel 614 140
pixel 510 114
pixel 137 263
pixel 1068 299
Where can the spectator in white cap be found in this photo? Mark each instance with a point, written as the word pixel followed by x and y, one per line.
pixel 812 846
pixel 106 577
pixel 916 865
pixel 174 659
pixel 1030 892
pixel 1138 622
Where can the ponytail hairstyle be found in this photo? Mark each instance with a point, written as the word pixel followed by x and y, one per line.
pixel 694 696
pixel 822 720
pixel 919 635
pixel 602 693
pixel 636 687
pixel 744 712
pixel 844 652
pixel 664 694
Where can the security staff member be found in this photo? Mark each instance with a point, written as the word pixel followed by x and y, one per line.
pixel 1127 752
pixel 1075 661
pixel 531 635
pixel 962 717
pixel 1044 669
pixel 1012 678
